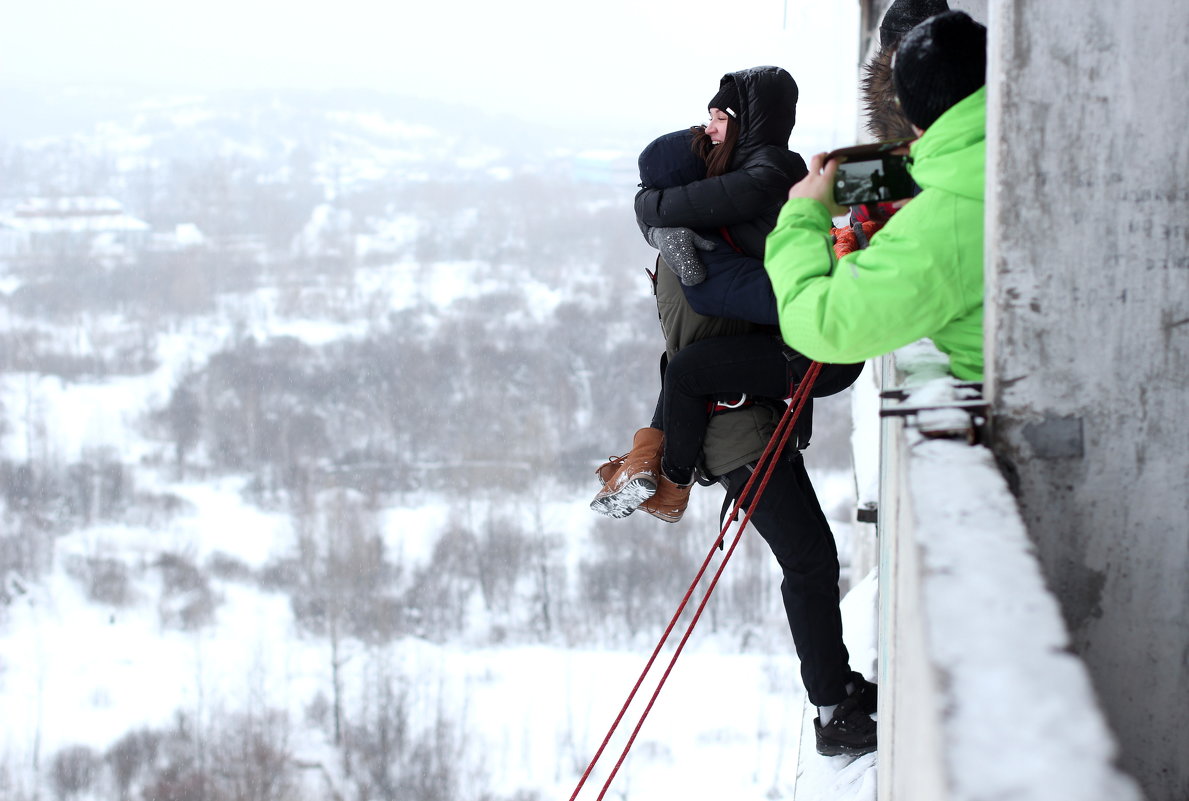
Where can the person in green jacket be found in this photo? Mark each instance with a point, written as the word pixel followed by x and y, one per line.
pixel 922 275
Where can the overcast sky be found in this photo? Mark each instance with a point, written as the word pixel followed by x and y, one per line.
pixel 638 63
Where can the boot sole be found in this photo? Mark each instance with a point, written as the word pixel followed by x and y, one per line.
pixel 626 500
pixel 832 749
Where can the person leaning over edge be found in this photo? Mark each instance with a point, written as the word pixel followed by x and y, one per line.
pixel 922 275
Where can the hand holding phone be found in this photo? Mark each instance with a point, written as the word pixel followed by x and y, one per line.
pixel 818 184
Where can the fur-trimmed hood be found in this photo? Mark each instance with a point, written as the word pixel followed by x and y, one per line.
pixel 885 120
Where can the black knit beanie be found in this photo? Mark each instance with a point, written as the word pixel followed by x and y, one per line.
pixel 903 15
pixel 727 99
pixel 939 62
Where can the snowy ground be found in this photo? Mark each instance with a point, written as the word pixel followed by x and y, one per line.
pixel 728 723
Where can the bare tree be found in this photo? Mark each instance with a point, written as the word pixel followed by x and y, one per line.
pixel 637 573
pixel 131 756
pixel 404 752
pixel 73 770
pixel 188 601
pixel 501 557
pixel 344 582
pixel 251 758
pixel 183 418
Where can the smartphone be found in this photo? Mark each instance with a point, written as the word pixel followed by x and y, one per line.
pixel 872 173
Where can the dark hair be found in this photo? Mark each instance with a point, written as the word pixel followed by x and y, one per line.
pixel 717 157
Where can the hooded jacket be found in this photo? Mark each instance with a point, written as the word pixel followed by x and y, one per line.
pixel 922 275
pixel 749 196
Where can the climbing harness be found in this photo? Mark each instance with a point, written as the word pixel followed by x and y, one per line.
pixel 744 400
pixel 727 406
pixel 763 471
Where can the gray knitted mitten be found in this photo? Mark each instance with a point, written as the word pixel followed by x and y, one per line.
pixel 679 248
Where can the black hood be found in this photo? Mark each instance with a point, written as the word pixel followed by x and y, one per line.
pixel 768 106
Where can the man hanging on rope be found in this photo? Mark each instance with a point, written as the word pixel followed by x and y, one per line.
pixel 788 514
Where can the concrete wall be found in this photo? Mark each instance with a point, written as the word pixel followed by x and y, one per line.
pixel 1088 340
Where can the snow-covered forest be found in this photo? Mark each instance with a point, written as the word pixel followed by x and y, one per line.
pixel 300 404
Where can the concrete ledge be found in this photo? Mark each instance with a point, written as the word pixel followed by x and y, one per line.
pixel 980 698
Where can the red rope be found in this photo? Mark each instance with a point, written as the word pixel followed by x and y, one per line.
pixel 765 464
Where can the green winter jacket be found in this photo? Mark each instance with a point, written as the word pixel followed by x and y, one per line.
pixel 922 275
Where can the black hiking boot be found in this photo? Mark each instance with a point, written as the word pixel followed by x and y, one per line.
pixel 868 692
pixel 851 731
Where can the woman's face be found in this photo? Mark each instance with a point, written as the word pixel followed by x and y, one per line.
pixel 716 129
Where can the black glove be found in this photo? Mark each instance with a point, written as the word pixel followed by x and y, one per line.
pixel 679 248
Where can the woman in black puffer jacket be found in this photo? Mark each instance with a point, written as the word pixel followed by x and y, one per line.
pixel 749 168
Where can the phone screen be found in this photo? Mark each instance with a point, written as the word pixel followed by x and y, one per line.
pixel 873 181
pixel 872 173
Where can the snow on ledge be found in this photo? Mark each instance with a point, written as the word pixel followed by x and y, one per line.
pixel 1019 717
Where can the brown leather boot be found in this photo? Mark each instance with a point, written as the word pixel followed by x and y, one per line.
pixel 608 468
pixel 629 480
pixel 669 501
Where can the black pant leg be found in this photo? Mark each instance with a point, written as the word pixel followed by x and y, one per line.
pixel 658 412
pixel 716 368
pixel 790 519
